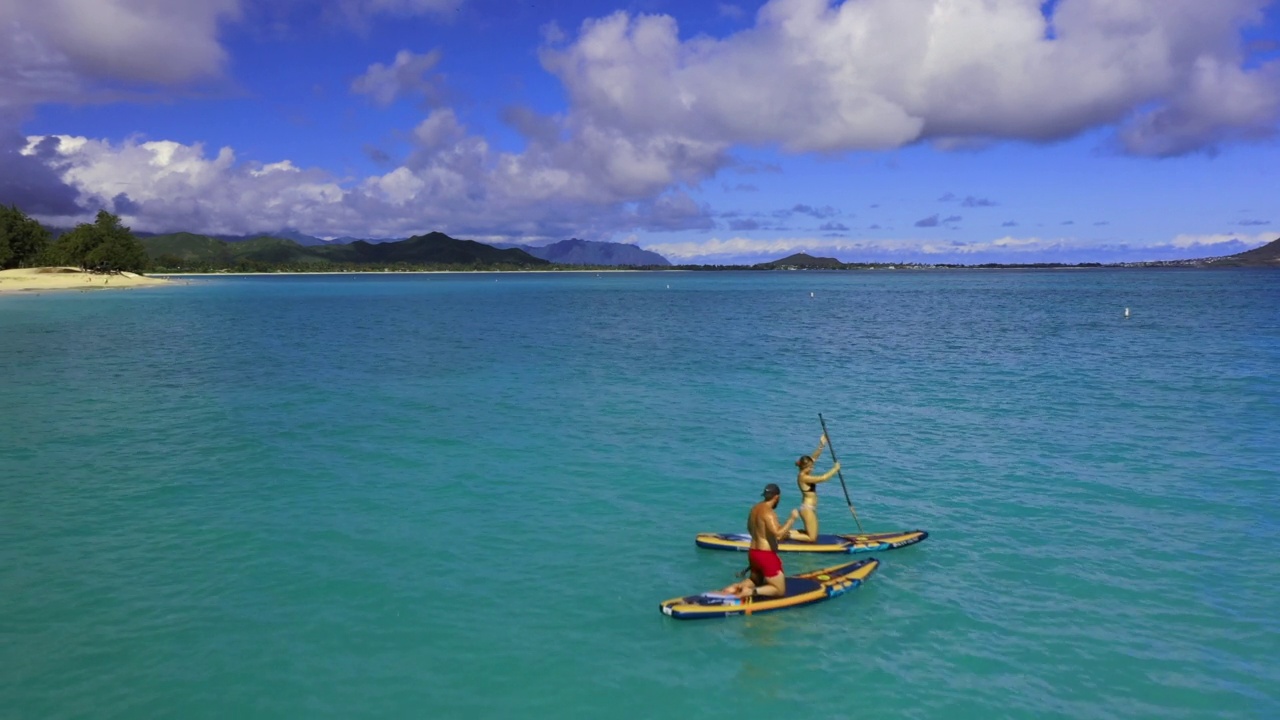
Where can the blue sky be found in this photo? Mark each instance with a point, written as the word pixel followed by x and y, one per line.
pixel 886 130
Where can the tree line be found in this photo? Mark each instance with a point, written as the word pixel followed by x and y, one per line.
pixel 103 245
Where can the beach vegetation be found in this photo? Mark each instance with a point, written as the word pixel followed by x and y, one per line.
pixel 23 241
pixel 105 245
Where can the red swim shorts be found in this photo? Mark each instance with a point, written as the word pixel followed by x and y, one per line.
pixel 765 562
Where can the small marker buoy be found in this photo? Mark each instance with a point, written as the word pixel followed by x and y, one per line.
pixel 810 294
pixel 668 287
pixel 1126 312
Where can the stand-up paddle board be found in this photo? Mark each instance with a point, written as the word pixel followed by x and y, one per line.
pixel 804 589
pixel 857 543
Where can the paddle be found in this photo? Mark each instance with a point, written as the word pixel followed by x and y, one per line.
pixel 835 459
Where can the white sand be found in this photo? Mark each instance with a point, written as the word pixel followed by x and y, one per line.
pixel 69 278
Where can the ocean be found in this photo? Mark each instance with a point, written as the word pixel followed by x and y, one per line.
pixel 464 495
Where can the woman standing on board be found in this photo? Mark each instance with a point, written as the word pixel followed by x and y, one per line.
pixel 808 485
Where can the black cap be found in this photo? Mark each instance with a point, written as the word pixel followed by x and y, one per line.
pixel 770 490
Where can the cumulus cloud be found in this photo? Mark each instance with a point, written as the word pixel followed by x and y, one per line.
pixel 650 115
pixel 590 182
pixel 1173 75
pixel 409 74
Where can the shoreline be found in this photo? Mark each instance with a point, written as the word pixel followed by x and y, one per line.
pixel 394 272
pixel 61 279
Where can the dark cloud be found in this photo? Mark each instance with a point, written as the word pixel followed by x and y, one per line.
pixel 1254 222
pixel 531 124
pixel 740 187
pixel 820 213
pixel 1068 222
pixel 29 182
pixel 124 206
pixel 834 227
pixel 948 197
pixel 952 219
pixel 972 201
pixel 740 225
pixel 377 154
pixel 1009 223
pixel 931 221
pixel 873 227
pixel 1102 222
pixel 671 212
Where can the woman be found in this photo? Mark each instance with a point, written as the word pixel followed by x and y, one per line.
pixel 808 484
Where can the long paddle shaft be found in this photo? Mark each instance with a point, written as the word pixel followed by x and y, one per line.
pixel 836 460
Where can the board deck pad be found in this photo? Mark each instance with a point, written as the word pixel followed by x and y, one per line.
pixel 854 543
pixel 803 589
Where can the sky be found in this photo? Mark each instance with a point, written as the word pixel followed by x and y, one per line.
pixel 934 131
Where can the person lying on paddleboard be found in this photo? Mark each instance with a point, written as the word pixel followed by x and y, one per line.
pixel 808 484
pixel 766 577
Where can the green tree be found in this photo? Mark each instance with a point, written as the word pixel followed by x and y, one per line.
pixel 22 240
pixel 104 246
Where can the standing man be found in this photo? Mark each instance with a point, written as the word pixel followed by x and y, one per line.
pixel 767 579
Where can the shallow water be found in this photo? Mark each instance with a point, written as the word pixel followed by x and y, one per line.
pixel 465 495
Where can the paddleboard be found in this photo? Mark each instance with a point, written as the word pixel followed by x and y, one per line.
pixel 858 543
pixel 804 589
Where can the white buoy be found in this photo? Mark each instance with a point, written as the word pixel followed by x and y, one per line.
pixel 1126 312
pixel 810 294
pixel 668 287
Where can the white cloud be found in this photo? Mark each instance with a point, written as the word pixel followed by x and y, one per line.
pixel 407 75
pixel 1000 249
pixel 452 182
pixel 1199 241
pixel 874 74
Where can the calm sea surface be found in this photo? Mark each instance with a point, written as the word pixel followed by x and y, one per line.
pixel 463 496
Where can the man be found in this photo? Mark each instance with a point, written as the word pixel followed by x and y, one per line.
pixel 767 579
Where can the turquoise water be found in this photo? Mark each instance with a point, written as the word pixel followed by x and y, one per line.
pixel 465 495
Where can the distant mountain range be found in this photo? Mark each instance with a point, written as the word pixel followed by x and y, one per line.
pixel 591 252
pixel 564 252
pixel 433 248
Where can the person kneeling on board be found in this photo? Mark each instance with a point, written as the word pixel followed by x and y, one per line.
pixel 808 484
pixel 767 578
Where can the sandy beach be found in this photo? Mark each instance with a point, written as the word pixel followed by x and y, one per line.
pixel 69 278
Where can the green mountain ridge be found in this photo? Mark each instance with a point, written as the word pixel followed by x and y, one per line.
pixel 436 248
pixel 1266 256
pixel 802 260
